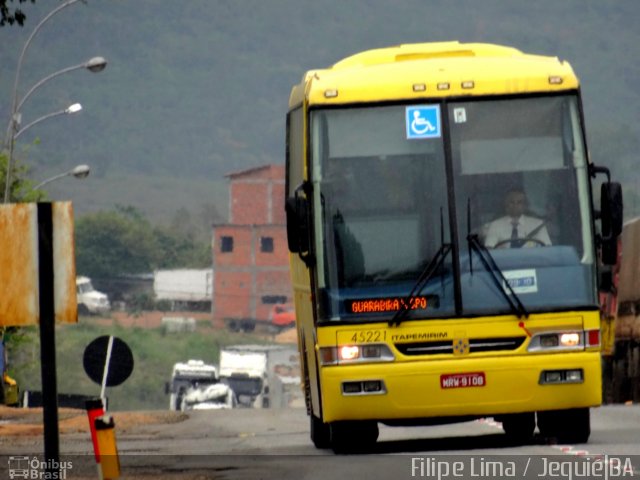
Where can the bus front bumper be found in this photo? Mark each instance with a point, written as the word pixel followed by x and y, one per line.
pixel 479 387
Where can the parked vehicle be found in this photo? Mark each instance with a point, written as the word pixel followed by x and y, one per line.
pixel 283 316
pixel 8 386
pixel 185 289
pixel 90 301
pixel 621 321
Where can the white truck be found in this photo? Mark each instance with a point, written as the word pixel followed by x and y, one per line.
pixel 259 374
pixel 90 301
pixel 195 386
pixel 186 289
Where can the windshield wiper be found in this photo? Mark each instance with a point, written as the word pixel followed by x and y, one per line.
pixel 423 279
pixel 427 273
pixel 492 267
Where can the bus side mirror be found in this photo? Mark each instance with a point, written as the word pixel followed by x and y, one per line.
pixel 611 216
pixel 298 225
pixel 293 206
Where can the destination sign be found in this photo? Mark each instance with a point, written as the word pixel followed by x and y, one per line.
pixel 387 304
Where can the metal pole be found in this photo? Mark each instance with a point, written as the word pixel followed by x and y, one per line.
pixel 45 117
pixel 105 372
pixel 48 340
pixel 52 179
pixel 79 171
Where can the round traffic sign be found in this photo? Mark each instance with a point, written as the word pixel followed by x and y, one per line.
pixel 120 361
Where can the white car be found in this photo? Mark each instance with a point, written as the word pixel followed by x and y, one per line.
pixel 90 301
pixel 208 397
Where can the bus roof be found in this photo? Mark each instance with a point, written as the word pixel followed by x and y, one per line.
pixel 428 70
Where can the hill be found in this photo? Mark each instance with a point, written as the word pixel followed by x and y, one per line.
pixel 197 89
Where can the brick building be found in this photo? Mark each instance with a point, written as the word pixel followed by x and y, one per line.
pixel 250 254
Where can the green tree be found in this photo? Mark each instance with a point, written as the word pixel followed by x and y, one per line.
pixel 21 188
pixel 110 244
pixel 11 15
pixel 181 250
pixel 183 243
pixel 113 243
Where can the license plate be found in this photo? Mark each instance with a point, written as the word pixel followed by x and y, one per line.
pixel 463 380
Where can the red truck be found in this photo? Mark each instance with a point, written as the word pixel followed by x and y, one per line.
pixel 281 317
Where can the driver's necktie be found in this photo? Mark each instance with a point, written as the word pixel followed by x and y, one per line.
pixel 514 234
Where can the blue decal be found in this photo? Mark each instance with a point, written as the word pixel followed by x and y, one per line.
pixel 423 122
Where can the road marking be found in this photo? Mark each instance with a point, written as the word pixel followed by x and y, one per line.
pixel 566 449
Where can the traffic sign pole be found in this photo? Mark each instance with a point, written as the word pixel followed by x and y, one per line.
pixel 105 373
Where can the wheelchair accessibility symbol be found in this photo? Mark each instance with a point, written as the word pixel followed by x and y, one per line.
pixel 423 122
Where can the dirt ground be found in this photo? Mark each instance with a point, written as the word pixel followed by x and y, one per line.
pixel 153 319
pixel 28 421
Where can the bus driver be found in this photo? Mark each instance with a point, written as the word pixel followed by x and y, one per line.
pixel 515 229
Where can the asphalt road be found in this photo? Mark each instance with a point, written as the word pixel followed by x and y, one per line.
pixel 266 444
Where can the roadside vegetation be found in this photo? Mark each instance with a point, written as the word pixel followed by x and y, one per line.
pixel 154 353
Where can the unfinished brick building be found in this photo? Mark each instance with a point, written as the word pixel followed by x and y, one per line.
pixel 250 255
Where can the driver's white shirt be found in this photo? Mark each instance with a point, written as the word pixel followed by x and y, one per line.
pixel 500 231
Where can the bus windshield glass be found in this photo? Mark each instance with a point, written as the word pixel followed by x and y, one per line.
pixel 521 187
pixel 381 215
pixel 391 199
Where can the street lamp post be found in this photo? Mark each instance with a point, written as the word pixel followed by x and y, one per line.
pixel 47 317
pixel 95 64
pixel 16 82
pixel 71 109
pixel 79 171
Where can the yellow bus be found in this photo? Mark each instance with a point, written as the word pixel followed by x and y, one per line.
pixel 444 249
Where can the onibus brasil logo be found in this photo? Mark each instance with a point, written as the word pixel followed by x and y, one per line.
pixel 36 469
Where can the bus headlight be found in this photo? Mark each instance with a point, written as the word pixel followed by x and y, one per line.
pixel 375 352
pixel 349 352
pixel 572 339
pixel 552 341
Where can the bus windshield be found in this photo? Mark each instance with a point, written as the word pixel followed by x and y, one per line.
pixel 397 209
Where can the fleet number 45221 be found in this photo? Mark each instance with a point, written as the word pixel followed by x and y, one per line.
pixel 369 336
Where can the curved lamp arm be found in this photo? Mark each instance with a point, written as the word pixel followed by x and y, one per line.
pixel 79 171
pixel 75 108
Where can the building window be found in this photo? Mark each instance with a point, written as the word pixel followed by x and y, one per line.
pixel 226 244
pixel 271 299
pixel 266 244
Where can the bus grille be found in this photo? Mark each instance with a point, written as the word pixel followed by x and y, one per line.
pixel 476 345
